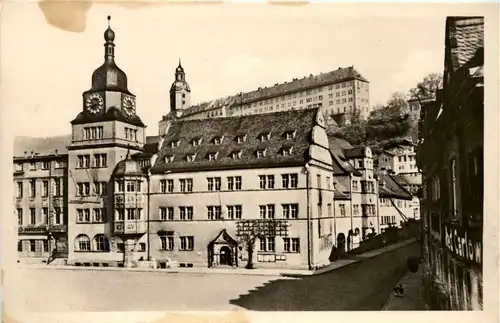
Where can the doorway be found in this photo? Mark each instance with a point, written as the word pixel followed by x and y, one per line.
pixel 226 257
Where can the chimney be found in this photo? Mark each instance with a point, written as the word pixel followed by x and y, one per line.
pixel 32 153
pixel 55 152
pixel 382 183
pixel 25 154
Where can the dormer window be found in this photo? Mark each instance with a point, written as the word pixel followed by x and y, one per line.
pixel 169 158
pixel 240 139
pixel 174 143
pixel 286 151
pixel 264 136
pixel 236 154
pixel 196 141
pixel 212 156
pixel 290 134
pixel 217 140
pixel 190 157
pixel 260 153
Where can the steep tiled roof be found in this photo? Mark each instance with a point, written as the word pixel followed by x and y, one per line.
pixel 465 36
pixel 252 126
pixel 41 145
pixel 354 152
pixel 337 146
pixel 389 187
pixel 402 179
pixel 112 114
pixel 340 75
pixel 341 192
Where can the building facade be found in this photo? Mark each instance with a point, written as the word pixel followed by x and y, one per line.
pixel 339 92
pixel 451 157
pixel 395 203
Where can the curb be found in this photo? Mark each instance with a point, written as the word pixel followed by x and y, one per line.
pixel 247 272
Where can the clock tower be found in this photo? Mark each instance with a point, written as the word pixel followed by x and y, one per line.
pixel 179 92
pixel 105 132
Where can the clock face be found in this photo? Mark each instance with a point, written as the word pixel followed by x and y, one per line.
pixel 128 106
pixel 94 103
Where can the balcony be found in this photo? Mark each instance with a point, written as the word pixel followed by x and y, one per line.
pixel 130 227
pixel 41 228
pixel 129 200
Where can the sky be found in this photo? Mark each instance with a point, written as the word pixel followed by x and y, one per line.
pixel 225 49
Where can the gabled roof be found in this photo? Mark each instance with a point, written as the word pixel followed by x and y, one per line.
pixel 465 35
pixel 41 145
pixel 389 187
pixel 340 75
pixel 111 115
pixel 251 126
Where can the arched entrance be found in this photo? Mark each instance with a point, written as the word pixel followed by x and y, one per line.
pixel 226 256
pixel 223 251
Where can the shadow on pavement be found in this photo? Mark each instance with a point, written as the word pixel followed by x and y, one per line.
pixel 361 286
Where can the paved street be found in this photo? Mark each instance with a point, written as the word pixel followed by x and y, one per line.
pixel 361 286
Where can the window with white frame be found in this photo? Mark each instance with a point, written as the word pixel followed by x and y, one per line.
pixel 287 151
pixel 101 243
pixel 169 159
pixel 260 153
pixel 240 139
pixel 174 143
pixel 290 134
pixel 83 189
pixel 83 161
pixel 185 213
pixel 190 157
pixel 267 244
pixel 82 243
pixel 217 140
pixel 186 243
pixel 167 242
pixel 99 215
pixel 213 183
pixel 290 211
pixel 291 245
pixel 236 154
pixel 212 155
pixel 234 183
pixel 100 160
pixel 234 212
pixel 100 188
pixel 45 188
pixel 166 213
pixel 214 212
pixel 267 211
pixel 196 141
pixel 289 180
pixel 45 165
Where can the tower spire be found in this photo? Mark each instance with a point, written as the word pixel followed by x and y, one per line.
pixel 109 46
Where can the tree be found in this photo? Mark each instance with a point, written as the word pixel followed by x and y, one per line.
pixel 250 230
pixel 426 89
pixel 397 105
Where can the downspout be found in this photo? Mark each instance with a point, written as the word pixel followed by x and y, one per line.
pixel 148 176
pixel 309 240
pixel 378 207
pixel 350 191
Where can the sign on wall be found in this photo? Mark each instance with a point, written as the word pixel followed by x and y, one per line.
pixel 464 244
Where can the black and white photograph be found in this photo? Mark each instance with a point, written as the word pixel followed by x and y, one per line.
pixel 249 158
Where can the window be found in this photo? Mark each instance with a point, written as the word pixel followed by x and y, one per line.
pixel 83 161
pixel 32 165
pixel 99 215
pixel 186 212
pixel 167 243
pixel 217 140
pixel 32 216
pixel 45 215
pixel 190 157
pixel 169 159
pixel 174 143
pixel 454 188
pixel 167 185
pixel 187 243
pixel 58 215
pixel 131 186
pixel 289 180
pixel 130 134
pixel 355 187
pixel 100 188
pixel 214 212
pixel 100 160
pixel 355 209
pixel 45 165
pixel 286 151
pixel 32 188
pixel 19 189
pixel 234 211
pixel 186 184
pixel 290 135
pixel 214 183
pixel 121 186
pixel 342 209
pixel 260 153
pixel 82 243
pixel 58 183
pixel 291 245
pixel 240 139
pixel 166 213
pixel 196 142
pixel 93 132
pixel 131 214
pixel 101 243
pixel 212 156
pixel 236 154
pixel 83 189
pixel 20 216
pixel 18 167
pixel 290 211
pixel 267 244
pixel 120 215
pixel 234 183
pixel 264 136
pixel 328 183
pixel 267 211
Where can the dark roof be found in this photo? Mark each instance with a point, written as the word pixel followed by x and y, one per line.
pixel 337 146
pixel 41 145
pixel 354 152
pixel 127 167
pixel 113 114
pixel 340 75
pixel 184 131
pixel 389 187
pixel 403 179
pixel 341 192
pixel 465 35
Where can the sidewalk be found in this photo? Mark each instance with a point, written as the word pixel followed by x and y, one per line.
pixel 241 271
pixel 414 297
